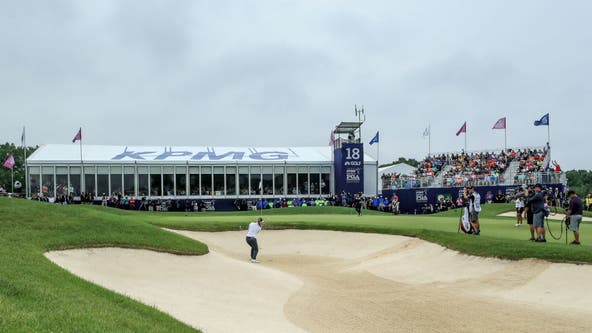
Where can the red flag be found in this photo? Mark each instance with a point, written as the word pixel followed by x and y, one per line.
pixel 500 124
pixel 9 163
pixel 463 129
pixel 78 136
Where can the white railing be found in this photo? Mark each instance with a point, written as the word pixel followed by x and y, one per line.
pixel 510 179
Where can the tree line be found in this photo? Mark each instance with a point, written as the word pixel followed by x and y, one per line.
pixel 580 181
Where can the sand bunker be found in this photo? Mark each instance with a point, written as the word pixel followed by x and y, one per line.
pixel 322 281
pixel 557 217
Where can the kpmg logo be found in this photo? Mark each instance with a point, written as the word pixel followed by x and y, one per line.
pixel 209 154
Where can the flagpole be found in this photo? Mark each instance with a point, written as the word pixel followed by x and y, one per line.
pixel 12 178
pixel 24 143
pixel 505 138
pixel 465 140
pixel 377 164
pixel 82 185
pixel 429 140
pixel 549 137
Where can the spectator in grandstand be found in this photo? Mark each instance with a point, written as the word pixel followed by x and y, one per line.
pixel 519 204
pixel 474 208
pixel 557 167
pixel 574 214
pixel 537 201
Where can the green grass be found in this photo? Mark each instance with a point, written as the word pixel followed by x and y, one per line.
pixel 499 237
pixel 38 296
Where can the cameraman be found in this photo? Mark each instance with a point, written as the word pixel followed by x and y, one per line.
pixel 528 212
pixel 537 202
pixel 574 215
pixel 474 208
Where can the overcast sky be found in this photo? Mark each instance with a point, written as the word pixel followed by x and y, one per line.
pixel 283 73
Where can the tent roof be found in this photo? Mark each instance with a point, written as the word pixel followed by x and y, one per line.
pixel 69 153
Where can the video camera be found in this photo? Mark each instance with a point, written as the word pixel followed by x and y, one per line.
pixel 526 191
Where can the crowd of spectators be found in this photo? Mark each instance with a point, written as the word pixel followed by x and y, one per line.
pixel 484 168
pixel 475 169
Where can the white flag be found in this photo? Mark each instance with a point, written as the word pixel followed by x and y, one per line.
pixel 426 132
pixel 23 138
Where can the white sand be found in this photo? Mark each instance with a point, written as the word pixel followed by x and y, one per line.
pixel 321 281
pixel 201 291
pixel 557 217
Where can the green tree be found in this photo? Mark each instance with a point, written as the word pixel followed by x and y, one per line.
pixel 580 181
pixel 19 167
pixel 411 161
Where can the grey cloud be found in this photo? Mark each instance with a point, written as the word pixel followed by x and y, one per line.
pixel 284 72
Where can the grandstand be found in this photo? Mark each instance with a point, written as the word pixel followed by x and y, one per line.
pixel 516 166
pixel 438 180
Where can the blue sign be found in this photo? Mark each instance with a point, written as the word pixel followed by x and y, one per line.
pixel 349 168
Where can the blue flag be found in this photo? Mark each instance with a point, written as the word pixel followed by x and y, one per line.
pixel 544 121
pixel 374 139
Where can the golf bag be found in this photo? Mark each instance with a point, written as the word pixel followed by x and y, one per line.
pixel 465 224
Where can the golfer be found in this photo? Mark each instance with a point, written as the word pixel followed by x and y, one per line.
pixel 254 228
pixel 474 208
pixel 574 215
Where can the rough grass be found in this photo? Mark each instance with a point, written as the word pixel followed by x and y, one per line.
pixel 38 296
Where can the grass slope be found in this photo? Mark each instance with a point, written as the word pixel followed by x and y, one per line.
pixel 38 296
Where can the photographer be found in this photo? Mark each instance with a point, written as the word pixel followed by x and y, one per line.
pixel 537 204
pixel 528 212
pixel 574 215
pixel 474 208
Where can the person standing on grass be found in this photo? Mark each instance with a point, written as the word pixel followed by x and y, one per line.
pixel 474 208
pixel 537 201
pixel 254 229
pixel 529 215
pixel 519 211
pixel 574 215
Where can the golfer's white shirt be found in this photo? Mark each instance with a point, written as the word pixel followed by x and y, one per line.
pixel 254 229
pixel 519 203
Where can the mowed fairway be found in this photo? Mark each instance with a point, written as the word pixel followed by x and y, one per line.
pixel 38 296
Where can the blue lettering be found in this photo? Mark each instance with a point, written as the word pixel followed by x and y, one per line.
pixel 212 156
pixel 132 155
pixel 171 153
pixel 270 156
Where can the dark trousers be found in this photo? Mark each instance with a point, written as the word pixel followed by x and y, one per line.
pixel 252 241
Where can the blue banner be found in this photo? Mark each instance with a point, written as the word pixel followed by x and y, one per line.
pixel 349 168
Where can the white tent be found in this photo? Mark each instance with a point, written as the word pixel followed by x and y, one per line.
pixel 400 169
